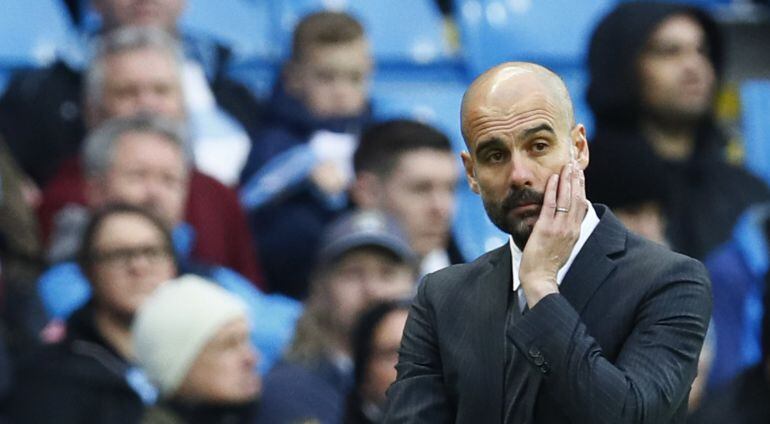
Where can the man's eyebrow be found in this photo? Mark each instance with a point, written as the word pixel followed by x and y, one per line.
pixel 534 130
pixel 487 144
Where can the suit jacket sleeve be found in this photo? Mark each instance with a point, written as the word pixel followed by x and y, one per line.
pixel 419 393
pixel 653 372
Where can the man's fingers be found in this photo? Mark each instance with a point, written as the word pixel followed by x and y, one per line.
pixel 564 195
pixel 549 198
pixel 578 196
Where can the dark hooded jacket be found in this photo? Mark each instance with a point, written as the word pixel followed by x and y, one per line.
pixel 287 227
pixel 79 380
pixel 703 195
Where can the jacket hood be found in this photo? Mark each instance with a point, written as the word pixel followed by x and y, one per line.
pixel 613 91
pixel 289 112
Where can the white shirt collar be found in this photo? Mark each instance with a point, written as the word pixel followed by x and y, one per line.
pixel 590 221
pixel 435 260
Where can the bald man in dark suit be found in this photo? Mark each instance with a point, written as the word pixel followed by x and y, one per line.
pixel 575 320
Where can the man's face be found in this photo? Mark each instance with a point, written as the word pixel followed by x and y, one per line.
pixel 160 13
pixel 225 370
pixel 677 77
pixel 420 194
pixel 518 135
pixel 381 369
pixel 140 81
pixel 363 276
pixel 332 80
pixel 130 259
pixel 146 170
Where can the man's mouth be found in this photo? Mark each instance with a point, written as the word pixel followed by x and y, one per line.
pixel 525 208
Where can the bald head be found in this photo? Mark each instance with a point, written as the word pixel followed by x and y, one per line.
pixel 499 89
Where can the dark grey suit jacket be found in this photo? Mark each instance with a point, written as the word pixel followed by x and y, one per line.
pixel 618 344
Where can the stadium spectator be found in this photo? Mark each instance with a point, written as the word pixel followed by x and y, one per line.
pixel 745 400
pixel 299 169
pixel 376 340
pixel 21 256
pixel 739 269
pixel 192 339
pixel 136 70
pixel 408 170
pixel 654 69
pixel 89 376
pixel 363 258
pixel 142 161
pixel 43 122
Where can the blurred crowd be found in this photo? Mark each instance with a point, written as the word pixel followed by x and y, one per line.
pixel 175 248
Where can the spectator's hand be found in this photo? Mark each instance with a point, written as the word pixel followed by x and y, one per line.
pixel 554 234
pixel 329 178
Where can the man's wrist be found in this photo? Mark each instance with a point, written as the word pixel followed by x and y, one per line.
pixel 537 289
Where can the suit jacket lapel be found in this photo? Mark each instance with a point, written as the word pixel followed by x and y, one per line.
pixel 593 265
pixel 490 298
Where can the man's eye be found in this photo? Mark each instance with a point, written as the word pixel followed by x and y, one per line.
pixel 539 147
pixel 495 157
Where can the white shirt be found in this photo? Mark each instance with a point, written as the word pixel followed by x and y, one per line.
pixel 590 221
pixel 220 145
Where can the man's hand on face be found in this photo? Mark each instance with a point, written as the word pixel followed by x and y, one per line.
pixel 554 234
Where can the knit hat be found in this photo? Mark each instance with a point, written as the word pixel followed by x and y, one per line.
pixel 175 323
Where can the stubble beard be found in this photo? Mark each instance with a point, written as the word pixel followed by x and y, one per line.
pixel 499 213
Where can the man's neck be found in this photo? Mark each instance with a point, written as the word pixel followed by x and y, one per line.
pixel 115 331
pixel 674 142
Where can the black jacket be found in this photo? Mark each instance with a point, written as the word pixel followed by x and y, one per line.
pixel 702 196
pixel 618 344
pixel 80 380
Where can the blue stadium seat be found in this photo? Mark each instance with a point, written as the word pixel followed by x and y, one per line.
pixel 245 26
pixel 755 103
pixel 707 4
pixel 34 32
pixel 406 32
pixel 438 103
pixel 554 32
pixel 435 103
pixel 248 28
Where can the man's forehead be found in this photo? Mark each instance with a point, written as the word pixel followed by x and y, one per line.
pixel 508 91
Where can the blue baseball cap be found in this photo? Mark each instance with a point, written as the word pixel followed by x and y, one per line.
pixel 363 229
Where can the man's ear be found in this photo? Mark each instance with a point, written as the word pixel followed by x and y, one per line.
pixel 470 171
pixel 580 145
pixel 366 191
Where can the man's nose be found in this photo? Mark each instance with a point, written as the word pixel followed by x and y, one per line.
pixel 442 203
pixel 148 101
pixel 521 171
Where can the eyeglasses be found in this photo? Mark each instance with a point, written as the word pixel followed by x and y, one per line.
pixel 125 256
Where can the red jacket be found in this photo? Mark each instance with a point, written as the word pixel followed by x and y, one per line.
pixel 222 235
